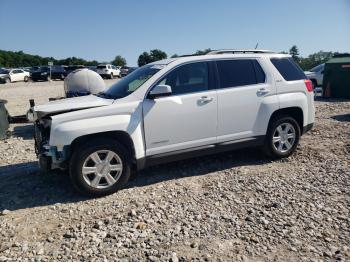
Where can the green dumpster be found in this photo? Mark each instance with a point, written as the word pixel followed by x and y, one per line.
pixel 336 80
pixel 4 119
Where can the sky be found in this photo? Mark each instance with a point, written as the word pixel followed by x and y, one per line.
pixel 101 29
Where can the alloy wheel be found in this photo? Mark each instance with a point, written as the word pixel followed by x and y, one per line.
pixel 102 169
pixel 284 137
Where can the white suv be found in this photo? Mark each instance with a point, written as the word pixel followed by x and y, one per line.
pixel 174 109
pixel 108 71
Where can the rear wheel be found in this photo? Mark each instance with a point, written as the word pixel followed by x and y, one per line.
pixel 100 168
pixel 26 78
pixel 282 137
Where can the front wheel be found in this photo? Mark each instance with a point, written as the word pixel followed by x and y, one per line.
pixel 282 137
pixel 100 168
pixel 8 80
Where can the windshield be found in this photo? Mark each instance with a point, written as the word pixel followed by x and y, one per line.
pixel 317 68
pixel 101 66
pixel 131 82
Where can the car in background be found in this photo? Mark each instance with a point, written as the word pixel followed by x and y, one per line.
pixel 43 73
pixel 14 75
pixel 124 70
pixel 131 69
pixel 108 71
pixel 316 75
pixel 71 68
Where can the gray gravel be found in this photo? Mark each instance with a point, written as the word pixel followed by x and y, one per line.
pixel 235 206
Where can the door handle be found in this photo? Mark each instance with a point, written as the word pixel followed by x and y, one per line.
pixel 205 99
pixel 263 91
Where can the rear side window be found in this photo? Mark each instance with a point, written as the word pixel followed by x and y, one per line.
pixel 288 69
pixel 243 72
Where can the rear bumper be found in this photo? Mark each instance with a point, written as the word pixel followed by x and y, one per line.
pixel 307 128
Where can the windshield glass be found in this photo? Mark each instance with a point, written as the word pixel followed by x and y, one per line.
pixel 317 68
pixel 131 82
pixel 101 66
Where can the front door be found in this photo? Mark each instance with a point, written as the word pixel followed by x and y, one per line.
pixel 185 119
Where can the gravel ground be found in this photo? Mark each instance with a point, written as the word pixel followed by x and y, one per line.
pixel 235 206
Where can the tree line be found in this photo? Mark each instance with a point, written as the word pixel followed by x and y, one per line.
pixel 21 59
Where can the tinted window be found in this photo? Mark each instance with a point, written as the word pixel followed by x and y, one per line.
pixel 237 73
pixel 260 75
pixel 188 78
pixel 288 69
pixel 101 66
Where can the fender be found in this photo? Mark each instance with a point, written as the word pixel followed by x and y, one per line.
pixel 70 126
pixel 296 99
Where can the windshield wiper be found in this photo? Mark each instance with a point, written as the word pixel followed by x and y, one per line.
pixel 105 95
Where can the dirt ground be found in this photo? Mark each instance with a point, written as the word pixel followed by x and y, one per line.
pixel 236 206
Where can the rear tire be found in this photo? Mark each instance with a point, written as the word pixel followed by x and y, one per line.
pixel 282 137
pixel 26 78
pixel 111 175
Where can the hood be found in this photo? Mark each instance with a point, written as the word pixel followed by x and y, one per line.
pixel 68 105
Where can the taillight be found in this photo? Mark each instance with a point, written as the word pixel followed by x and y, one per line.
pixel 308 84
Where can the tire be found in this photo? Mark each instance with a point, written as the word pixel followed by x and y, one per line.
pixel 272 147
pixel 26 78
pixel 111 76
pixel 95 183
pixel 8 80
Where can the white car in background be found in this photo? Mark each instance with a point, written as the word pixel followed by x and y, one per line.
pixel 14 75
pixel 108 71
pixel 316 75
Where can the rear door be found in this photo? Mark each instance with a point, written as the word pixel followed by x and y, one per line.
pixel 244 88
pixel 187 118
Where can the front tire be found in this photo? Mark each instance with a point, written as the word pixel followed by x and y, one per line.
pixel 100 168
pixel 8 80
pixel 282 137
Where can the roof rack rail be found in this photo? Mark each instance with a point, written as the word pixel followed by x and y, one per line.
pixel 241 51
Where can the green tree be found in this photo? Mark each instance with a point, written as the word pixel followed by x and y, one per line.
pixel 294 52
pixel 119 61
pixel 144 59
pixel 152 56
pixel 157 54
pixel 202 52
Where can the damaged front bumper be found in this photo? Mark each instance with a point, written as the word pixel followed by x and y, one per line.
pixel 50 157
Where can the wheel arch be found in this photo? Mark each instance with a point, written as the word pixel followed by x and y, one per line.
pixel 121 136
pixel 295 112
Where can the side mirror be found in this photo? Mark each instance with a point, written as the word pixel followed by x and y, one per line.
pixel 160 91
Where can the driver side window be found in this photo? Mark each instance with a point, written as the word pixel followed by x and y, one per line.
pixel 189 78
